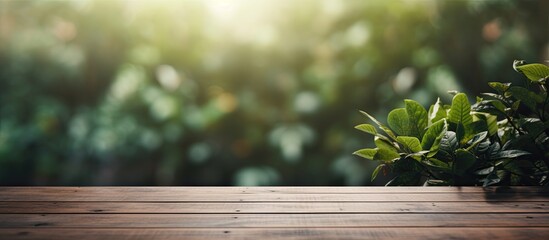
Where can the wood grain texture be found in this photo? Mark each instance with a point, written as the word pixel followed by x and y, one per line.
pixel 275 207
pixel 275 234
pixel 272 220
pixel 273 213
pixel 277 190
pixel 145 196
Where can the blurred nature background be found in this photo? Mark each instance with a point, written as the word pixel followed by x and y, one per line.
pixel 262 92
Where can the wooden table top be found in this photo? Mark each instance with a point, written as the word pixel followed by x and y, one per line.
pixel 274 213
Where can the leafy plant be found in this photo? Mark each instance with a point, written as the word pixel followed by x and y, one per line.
pixel 501 139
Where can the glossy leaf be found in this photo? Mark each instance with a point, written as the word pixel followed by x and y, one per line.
pixel 436 112
pixel 492 123
pixel 527 97
pixel 380 125
pixel 433 136
pixel 500 87
pixel 433 162
pixel 460 112
pixel 478 138
pixel 384 154
pixel 386 151
pixel 383 143
pixel 398 121
pixel 367 153
pixel 417 116
pixel 485 171
pixel 448 145
pixel 367 128
pixel 535 71
pixel 410 143
pixel 491 179
pixel 509 154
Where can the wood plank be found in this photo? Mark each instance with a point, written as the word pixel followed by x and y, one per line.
pixel 278 190
pixel 271 220
pixel 291 234
pixel 277 207
pixel 144 196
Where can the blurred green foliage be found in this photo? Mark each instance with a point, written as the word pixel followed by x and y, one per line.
pixel 234 92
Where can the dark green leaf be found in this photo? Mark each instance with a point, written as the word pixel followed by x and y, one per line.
pixel 464 160
pixel 433 162
pixel 515 105
pixel 417 116
pixel 448 145
pixel 433 136
pixel 485 171
pixel 478 138
pixel 491 179
pixel 398 121
pixel 534 126
pixel 527 97
pixel 509 154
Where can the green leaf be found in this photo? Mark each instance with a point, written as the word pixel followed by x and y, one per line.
pixel 410 143
pixel 478 138
pixel 433 162
pixel 498 105
pixel 464 160
pixel 485 171
pixel 509 154
pixel 491 179
pixel 492 122
pixel 516 105
pixel 436 112
pixel 535 72
pixel 460 112
pixel 500 87
pixel 436 182
pixel 367 153
pixel 448 144
pixel 367 128
pixel 534 126
pixel 433 136
pixel 488 122
pixel 376 171
pixel 380 125
pixel 383 143
pixel 527 97
pixel 386 151
pixel 417 116
pixel 386 155
pixel 398 121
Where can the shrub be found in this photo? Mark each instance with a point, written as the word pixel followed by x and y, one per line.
pixel 501 139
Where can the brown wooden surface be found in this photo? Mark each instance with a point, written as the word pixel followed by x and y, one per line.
pixel 274 213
